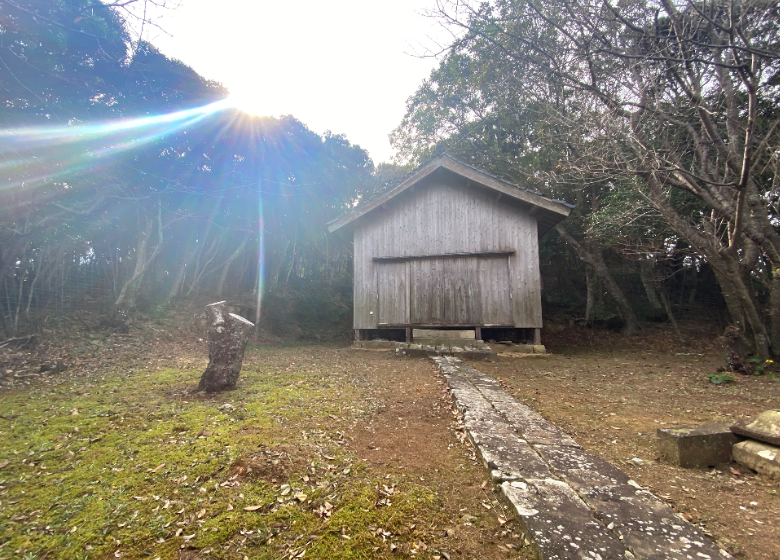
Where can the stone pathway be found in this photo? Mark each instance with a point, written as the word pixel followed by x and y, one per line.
pixel 571 504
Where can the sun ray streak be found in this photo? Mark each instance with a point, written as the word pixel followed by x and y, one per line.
pixel 39 153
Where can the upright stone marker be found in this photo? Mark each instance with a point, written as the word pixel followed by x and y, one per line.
pixel 228 335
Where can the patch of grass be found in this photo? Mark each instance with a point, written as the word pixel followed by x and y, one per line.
pixel 130 463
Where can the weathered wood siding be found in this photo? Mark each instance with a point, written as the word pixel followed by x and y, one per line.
pixel 445 215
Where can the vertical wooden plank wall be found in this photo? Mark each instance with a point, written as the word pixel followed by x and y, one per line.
pixel 448 216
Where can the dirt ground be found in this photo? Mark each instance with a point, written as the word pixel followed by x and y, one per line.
pixel 612 394
pixel 370 441
pixel 414 430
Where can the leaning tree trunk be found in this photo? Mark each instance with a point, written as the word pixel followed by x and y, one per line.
pixel 226 267
pixel 732 282
pixel 648 281
pixel 126 295
pixel 228 335
pixel 590 303
pixel 595 258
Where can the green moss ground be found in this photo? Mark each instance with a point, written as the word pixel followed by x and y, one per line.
pixel 129 464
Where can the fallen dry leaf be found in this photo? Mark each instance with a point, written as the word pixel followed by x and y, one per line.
pixel 155 469
pixel 3 464
pixel 252 508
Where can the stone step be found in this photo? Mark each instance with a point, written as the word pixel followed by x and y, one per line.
pixel 468 349
pixel 570 504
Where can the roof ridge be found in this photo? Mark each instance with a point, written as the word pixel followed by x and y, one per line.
pixel 366 206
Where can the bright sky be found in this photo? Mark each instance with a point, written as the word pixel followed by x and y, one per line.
pixel 345 65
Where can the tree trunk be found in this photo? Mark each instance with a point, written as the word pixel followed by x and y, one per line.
pixel 127 293
pixel 589 298
pixel 736 348
pixel 595 258
pixel 233 256
pixel 200 270
pixel 189 254
pixel 724 262
pixel 731 282
pixel 670 314
pixel 648 281
pixel 228 336
pixel 774 312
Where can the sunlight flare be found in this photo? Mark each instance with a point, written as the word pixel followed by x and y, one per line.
pixel 35 154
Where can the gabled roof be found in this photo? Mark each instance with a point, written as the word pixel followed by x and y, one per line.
pixel 548 211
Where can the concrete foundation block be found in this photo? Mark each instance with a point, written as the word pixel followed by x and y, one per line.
pixel 761 457
pixel 696 446
pixel 513 348
pixel 374 344
pixel 424 351
pixel 443 334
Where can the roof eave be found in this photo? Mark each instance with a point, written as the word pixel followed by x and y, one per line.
pixel 558 208
pixel 338 223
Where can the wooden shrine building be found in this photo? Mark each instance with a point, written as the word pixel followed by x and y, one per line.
pixel 451 247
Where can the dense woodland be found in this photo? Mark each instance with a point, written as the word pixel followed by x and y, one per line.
pixel 126 185
pixel 659 120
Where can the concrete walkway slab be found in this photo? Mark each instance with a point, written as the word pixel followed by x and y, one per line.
pixel 570 503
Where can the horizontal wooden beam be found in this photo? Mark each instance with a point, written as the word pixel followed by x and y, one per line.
pixel 445 326
pixel 446 256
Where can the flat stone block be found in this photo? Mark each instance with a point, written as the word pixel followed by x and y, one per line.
pixel 560 523
pixel 580 469
pixel 436 333
pixel 649 526
pixel 761 457
pixel 766 428
pixel 534 428
pixel 696 446
pixel 513 348
pixel 506 455
pixel 374 344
